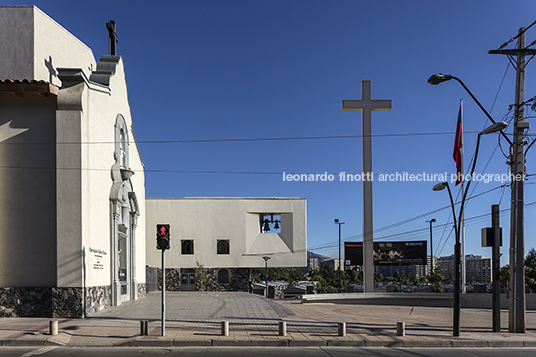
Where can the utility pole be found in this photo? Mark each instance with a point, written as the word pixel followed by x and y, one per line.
pixel 496 267
pixel 516 289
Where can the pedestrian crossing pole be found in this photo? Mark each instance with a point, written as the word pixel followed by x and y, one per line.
pixel 163 243
pixel 163 292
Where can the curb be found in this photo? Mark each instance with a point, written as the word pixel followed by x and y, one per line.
pixel 432 343
pixel 28 343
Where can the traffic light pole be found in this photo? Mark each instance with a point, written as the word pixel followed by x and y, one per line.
pixel 163 293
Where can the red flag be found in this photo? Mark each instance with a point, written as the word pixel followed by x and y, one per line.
pixel 458 149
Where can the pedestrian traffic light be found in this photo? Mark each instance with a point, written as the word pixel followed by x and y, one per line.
pixel 162 236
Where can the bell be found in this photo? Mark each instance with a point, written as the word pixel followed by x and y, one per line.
pixel 266 226
pixel 276 225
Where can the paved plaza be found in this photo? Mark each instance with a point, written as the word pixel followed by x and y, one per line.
pixel 194 319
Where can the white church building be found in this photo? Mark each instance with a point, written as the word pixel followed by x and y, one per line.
pixel 76 232
pixel 72 230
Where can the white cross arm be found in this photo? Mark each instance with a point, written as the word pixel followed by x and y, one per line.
pixel 372 105
pixel 366 104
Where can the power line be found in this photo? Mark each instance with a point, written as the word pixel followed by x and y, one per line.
pixel 472 220
pixel 400 223
pixel 235 139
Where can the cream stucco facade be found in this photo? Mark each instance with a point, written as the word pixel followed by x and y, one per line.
pixel 76 233
pixel 72 190
pixel 206 222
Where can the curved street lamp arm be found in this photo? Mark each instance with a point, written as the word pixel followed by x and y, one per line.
pixel 480 106
pixel 453 210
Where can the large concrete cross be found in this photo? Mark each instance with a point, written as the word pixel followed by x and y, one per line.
pixel 366 106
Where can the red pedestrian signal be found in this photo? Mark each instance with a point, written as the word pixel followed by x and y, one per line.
pixel 163 230
pixel 162 236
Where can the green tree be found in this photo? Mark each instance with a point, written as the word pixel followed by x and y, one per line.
pixel 530 269
pixel 201 275
pixel 315 275
pixel 530 259
pixel 355 276
pixel 504 275
pixel 329 275
pixel 436 278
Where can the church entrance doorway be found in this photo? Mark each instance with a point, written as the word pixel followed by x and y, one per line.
pixel 123 252
pixel 188 280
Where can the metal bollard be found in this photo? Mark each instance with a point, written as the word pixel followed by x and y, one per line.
pixel 401 329
pixel 144 327
pixel 53 328
pixel 342 329
pixel 282 328
pixel 225 328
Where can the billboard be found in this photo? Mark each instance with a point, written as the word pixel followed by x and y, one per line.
pixel 353 253
pixel 388 253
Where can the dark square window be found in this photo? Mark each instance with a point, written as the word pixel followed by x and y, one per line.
pixel 223 246
pixel 187 247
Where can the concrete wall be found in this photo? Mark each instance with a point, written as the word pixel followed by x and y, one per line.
pixel 470 301
pixel 206 220
pixel 484 301
pixel 27 190
pixel 17 42
pixel 34 46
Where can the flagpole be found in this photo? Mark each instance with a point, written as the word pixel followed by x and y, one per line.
pixel 457 156
pixel 462 222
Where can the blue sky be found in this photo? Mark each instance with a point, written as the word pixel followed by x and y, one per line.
pixel 217 70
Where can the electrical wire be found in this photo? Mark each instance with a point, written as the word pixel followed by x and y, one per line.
pixel 472 221
pixel 234 139
pixel 400 223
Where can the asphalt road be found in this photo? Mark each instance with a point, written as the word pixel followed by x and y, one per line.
pixel 264 352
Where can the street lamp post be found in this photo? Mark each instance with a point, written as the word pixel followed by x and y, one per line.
pixel 266 273
pixel 340 277
pixel 457 247
pixel 431 245
pixel 322 273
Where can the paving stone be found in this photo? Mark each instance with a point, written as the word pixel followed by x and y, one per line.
pixel 194 319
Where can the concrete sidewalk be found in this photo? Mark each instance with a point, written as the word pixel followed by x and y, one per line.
pixel 194 319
